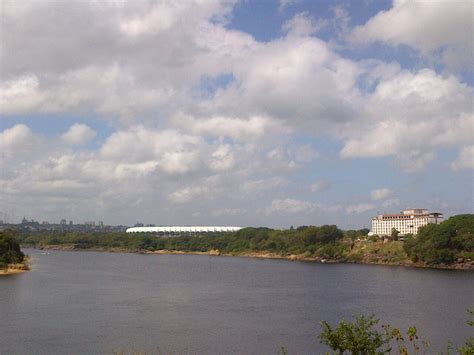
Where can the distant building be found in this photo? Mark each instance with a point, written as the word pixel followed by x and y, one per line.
pixel 182 230
pixel 405 222
pixel 63 222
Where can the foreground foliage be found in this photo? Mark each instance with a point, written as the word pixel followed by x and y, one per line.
pixel 363 336
pixel 10 252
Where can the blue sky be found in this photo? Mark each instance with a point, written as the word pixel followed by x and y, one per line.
pixel 250 113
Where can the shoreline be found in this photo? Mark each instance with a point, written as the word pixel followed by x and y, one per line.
pixel 14 269
pixel 9 271
pixel 262 255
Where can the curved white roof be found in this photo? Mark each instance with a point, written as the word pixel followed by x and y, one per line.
pixel 178 229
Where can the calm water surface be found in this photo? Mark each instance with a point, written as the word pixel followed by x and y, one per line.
pixel 86 302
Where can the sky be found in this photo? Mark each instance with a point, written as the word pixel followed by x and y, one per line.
pixel 245 113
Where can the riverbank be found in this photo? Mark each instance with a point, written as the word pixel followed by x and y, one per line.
pixel 368 253
pixel 15 269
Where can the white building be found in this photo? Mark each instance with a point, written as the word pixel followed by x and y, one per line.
pixel 408 221
pixel 178 230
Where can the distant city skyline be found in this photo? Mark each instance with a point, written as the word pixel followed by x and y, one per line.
pixel 248 113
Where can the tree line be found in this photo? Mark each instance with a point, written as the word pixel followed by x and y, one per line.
pixel 447 242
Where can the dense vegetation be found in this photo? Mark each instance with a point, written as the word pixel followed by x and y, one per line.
pixel 365 336
pixel 326 240
pixel 10 252
pixel 446 242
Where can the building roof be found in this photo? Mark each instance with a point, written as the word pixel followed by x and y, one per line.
pixel 183 229
pixel 408 216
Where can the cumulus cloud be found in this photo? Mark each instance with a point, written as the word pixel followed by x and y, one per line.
pixel 359 208
pixel 232 127
pixel 142 66
pixel 380 194
pixel 290 206
pixel 465 159
pixel 424 25
pixel 257 187
pixel 78 134
pixel 229 212
pixel 303 25
pixel 15 136
pixel 20 144
pixel 136 167
pixel 416 114
pixel 320 185
pixel 20 95
pixel 188 193
pixel 283 4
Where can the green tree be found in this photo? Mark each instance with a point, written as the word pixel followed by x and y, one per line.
pixel 364 337
pixel 443 243
pixel 394 234
pixel 10 252
pixel 359 337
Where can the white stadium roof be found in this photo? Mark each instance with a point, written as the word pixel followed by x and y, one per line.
pixel 179 229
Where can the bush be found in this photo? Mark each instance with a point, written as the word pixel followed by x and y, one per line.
pixel 10 252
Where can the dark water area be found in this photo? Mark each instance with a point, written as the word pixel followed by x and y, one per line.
pixel 87 302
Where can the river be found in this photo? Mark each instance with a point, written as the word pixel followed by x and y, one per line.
pixel 88 302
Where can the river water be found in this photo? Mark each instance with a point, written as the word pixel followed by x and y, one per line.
pixel 87 302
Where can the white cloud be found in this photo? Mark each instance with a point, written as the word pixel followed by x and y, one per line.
pixel 465 159
pixel 414 115
pixel 257 187
pixel 20 95
pixel 78 134
pixel 283 4
pixel 141 144
pixel 187 194
pixel 15 136
pixel 229 212
pixel 222 158
pixel 424 25
pixel 142 66
pixel 18 144
pixel 359 208
pixel 380 194
pixel 320 185
pixel 290 206
pixel 303 25
pixel 235 128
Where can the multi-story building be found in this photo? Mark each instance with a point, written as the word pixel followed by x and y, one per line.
pixel 405 222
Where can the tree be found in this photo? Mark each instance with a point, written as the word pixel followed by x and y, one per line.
pixel 394 234
pixel 10 252
pixel 443 243
pixel 360 337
